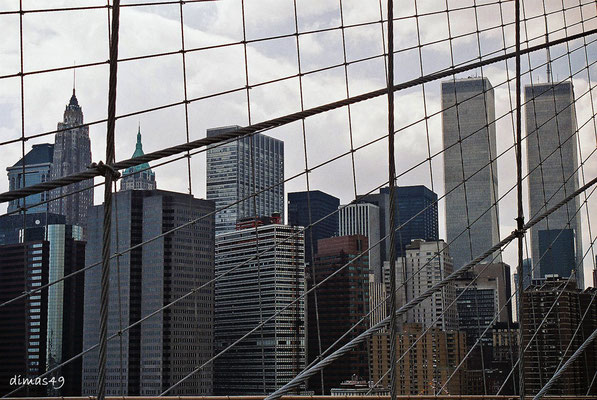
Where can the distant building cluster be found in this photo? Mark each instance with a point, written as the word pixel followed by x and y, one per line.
pixel 273 285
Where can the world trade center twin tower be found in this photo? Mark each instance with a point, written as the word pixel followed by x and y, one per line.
pixel 471 173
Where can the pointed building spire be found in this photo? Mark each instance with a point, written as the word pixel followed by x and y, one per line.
pixel 140 177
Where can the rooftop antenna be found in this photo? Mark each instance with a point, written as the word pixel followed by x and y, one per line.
pixel 74 76
pixel 547 51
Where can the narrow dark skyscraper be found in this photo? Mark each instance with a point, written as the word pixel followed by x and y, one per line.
pixel 72 154
pixel 322 205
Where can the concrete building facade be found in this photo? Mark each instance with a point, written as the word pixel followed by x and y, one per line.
pixel 253 288
pixel 552 162
pixel 469 141
pixel 169 345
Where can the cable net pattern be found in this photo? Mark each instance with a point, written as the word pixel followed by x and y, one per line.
pixel 351 153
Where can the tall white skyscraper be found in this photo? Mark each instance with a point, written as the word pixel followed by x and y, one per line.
pixel 363 219
pixel 552 163
pixel 230 177
pixel 468 116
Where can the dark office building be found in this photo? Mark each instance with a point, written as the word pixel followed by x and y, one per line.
pixel 45 329
pixel 546 351
pixel 479 301
pixel 556 250
pixel 322 205
pixel 165 348
pixel 410 201
pixel 346 295
pixel 11 225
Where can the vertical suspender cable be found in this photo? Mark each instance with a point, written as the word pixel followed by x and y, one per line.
pixel 392 182
pixel 109 176
pixel 520 217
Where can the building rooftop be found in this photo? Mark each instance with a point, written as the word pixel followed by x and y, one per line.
pixel 39 154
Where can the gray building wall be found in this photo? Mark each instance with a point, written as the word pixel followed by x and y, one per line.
pixel 551 128
pixel 253 292
pixel 230 177
pixel 169 345
pixel 472 120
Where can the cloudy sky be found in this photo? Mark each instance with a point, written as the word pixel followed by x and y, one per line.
pixel 58 39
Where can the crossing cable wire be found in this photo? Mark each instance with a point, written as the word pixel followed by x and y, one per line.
pixel 360 147
pixel 97 7
pixel 254 188
pixel 174 230
pixel 465 192
pixel 109 174
pixel 117 234
pixel 565 284
pixel 517 150
pixel 413 303
pixel 309 209
pixel 24 209
pixel 481 272
pixel 184 296
pixel 393 204
pixel 286 180
pixel 594 129
pixel 520 211
pixel 345 65
pixel 225 92
pixel 221 45
pixel 276 122
pixel 556 300
pixel 264 322
pixel 564 367
pixel 509 300
pixel 373 141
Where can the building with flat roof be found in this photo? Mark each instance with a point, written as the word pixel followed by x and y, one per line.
pixel 256 281
pixel 470 168
pixel 552 161
pixel 363 219
pixel 46 328
pixel 321 205
pixel 166 347
pixel 345 294
pixel 237 169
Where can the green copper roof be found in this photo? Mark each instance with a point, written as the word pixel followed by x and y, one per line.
pixel 138 153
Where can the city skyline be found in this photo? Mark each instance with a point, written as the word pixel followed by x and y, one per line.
pixel 256 120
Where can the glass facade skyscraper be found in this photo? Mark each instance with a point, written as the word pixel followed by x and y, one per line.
pixel 322 205
pixel 552 164
pixel 37 170
pixel 230 170
pixel 166 347
pixel 470 168
pixel 45 329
